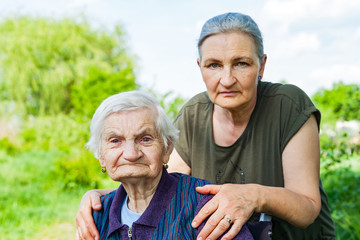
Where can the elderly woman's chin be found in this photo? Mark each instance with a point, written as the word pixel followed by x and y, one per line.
pixel 137 172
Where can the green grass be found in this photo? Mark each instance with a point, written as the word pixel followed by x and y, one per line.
pixel 33 203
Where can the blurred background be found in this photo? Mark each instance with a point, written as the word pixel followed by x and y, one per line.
pixel 60 59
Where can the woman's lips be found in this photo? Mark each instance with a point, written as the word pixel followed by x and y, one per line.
pixel 229 93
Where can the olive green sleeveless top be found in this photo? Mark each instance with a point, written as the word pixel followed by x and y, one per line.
pixel 256 157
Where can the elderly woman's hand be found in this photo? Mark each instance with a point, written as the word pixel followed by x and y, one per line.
pixel 232 206
pixel 85 226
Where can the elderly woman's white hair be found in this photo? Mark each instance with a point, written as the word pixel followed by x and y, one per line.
pixel 128 101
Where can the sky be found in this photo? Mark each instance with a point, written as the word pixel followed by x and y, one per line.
pixel 309 43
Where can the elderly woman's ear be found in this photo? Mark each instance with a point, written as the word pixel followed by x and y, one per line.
pixel 168 152
pixel 102 161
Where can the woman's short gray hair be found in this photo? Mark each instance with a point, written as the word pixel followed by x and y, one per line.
pixel 128 101
pixel 232 22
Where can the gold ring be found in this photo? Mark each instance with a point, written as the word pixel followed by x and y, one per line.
pixel 228 219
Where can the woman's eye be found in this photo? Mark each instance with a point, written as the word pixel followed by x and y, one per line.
pixel 241 64
pixel 146 140
pixel 114 140
pixel 213 65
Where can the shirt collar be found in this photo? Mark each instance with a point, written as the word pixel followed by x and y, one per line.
pixel 154 212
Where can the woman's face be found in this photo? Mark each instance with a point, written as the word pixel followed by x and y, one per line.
pixel 230 69
pixel 132 148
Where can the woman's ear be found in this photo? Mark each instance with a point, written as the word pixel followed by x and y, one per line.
pixel 101 160
pixel 262 66
pixel 168 152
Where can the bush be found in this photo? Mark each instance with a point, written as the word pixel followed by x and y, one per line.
pixel 342 102
pixel 341 186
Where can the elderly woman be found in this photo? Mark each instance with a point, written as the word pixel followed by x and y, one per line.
pixel 257 140
pixel 133 138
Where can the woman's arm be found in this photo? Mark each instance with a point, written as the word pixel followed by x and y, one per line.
pixel 85 225
pixel 177 164
pixel 298 202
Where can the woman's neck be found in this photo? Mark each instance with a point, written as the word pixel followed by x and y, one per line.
pixel 229 125
pixel 140 193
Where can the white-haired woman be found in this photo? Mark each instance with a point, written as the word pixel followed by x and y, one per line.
pixel 133 138
pixel 261 138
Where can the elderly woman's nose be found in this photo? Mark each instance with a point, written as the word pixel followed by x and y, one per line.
pixel 227 77
pixel 131 151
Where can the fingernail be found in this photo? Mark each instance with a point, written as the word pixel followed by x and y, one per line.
pixel 193 224
pixel 97 205
pixel 199 238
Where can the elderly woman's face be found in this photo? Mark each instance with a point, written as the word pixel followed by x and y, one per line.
pixel 230 68
pixel 131 146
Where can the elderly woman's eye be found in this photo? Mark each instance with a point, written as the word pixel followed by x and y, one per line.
pixel 114 140
pixel 146 139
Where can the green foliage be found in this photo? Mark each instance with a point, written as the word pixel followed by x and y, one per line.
pixel 341 185
pixel 8 146
pixel 45 62
pixel 77 169
pixel 336 150
pixel 30 195
pixel 170 104
pixel 87 95
pixel 61 132
pixel 340 157
pixel 74 166
pixel 340 102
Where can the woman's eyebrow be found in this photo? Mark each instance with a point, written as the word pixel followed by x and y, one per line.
pixel 145 131
pixel 206 60
pixel 242 59
pixel 111 134
pixel 116 134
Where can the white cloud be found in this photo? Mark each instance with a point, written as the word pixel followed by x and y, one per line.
pixel 335 73
pixel 81 3
pixel 281 14
pixel 357 33
pixel 339 8
pixel 298 44
pixel 292 10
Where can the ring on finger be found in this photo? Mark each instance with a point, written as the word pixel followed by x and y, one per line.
pixel 228 219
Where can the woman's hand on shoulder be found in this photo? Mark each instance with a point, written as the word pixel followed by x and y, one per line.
pixel 85 226
pixel 231 207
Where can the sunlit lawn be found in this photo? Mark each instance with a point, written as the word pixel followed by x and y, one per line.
pixel 33 206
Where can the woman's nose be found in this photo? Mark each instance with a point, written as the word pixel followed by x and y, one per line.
pixel 227 78
pixel 131 151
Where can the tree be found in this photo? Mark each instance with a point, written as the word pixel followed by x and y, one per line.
pixel 59 66
pixel 340 102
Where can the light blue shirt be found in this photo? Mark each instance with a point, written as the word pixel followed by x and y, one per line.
pixel 128 216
